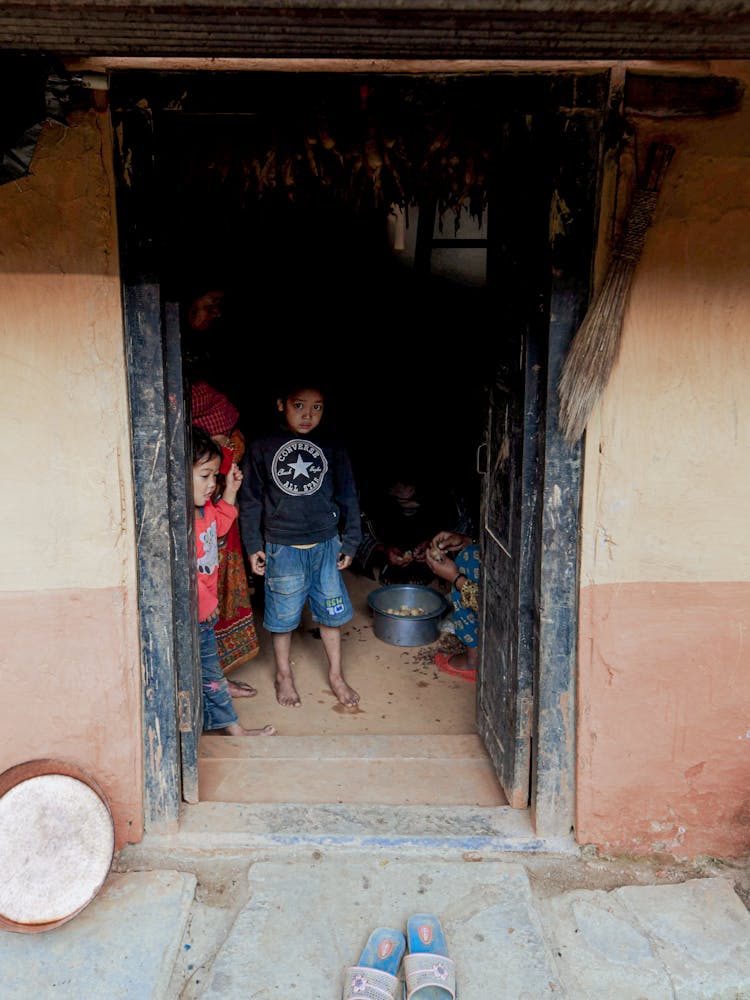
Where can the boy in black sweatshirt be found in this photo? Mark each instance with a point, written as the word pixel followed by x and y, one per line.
pixel 300 525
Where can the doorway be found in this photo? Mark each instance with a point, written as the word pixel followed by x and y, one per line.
pixel 518 323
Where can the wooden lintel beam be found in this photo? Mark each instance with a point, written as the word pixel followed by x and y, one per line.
pixel 665 95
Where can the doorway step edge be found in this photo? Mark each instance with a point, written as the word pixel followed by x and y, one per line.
pixel 266 831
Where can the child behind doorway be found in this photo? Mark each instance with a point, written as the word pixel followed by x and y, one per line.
pixel 212 521
pixel 300 524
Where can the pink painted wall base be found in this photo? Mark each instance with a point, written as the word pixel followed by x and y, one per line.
pixel 664 719
pixel 78 696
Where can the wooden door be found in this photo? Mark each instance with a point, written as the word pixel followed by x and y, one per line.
pixel 518 250
pixel 184 585
pixel 133 135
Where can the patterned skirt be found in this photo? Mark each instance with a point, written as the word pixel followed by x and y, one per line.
pixel 235 629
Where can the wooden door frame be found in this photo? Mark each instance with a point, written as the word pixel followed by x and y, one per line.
pixel 164 593
pixel 552 799
pixel 156 564
pixel 548 599
pixel 553 768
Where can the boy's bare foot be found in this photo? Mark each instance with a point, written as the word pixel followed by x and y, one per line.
pixel 235 729
pixel 286 692
pixel 239 689
pixel 345 694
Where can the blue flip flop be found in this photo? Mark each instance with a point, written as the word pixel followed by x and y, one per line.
pixel 428 971
pixel 375 976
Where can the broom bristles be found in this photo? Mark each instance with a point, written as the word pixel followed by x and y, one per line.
pixel 596 345
pixel 594 351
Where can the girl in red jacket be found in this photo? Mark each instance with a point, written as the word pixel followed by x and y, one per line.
pixel 212 521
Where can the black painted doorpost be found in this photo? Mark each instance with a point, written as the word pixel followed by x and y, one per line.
pixel 578 136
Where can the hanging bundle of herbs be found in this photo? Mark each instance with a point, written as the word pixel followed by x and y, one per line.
pixel 377 146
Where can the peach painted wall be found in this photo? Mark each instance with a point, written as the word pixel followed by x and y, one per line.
pixel 664 697
pixel 70 656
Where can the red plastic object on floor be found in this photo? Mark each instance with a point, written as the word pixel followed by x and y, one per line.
pixel 443 663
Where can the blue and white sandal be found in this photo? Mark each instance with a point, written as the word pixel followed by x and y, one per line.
pixel 428 971
pixel 375 977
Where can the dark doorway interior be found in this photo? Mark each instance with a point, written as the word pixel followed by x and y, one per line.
pixel 313 283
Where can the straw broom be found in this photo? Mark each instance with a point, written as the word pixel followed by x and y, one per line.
pixel 596 345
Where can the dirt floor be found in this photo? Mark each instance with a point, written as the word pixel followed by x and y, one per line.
pixel 402 692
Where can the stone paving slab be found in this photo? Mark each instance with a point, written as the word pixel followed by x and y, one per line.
pixel 689 941
pixel 306 921
pixel 121 947
pixel 701 931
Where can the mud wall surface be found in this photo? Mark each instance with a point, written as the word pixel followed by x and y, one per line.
pixel 664 703
pixel 70 656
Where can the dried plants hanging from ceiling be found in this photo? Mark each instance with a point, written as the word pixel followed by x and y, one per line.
pixel 379 145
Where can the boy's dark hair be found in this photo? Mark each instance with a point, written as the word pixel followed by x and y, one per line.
pixel 292 386
pixel 204 447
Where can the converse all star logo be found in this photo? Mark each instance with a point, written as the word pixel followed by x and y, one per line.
pixel 299 467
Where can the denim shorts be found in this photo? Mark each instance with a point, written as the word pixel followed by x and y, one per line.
pixel 218 710
pixel 294 576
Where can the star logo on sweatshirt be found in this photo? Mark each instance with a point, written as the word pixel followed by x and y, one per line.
pixel 299 467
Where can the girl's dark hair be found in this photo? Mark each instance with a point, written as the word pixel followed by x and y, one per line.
pixel 204 447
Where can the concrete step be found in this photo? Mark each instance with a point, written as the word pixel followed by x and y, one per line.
pixel 382 770
pixel 266 831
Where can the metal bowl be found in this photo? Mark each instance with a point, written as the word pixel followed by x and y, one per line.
pixel 406 630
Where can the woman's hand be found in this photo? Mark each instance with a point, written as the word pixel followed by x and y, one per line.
pixel 420 551
pixel 398 558
pixel 450 541
pixel 441 565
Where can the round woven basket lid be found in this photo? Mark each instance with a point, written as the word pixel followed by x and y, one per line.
pixel 56 844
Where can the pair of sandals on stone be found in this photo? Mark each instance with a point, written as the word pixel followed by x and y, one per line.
pixel 429 974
